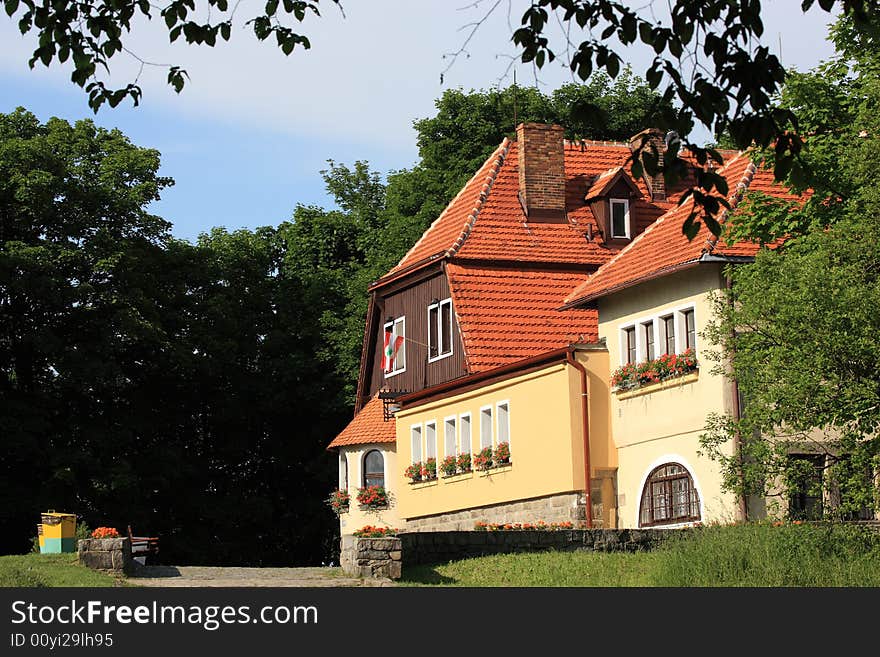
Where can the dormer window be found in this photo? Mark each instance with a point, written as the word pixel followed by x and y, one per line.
pixel 620 218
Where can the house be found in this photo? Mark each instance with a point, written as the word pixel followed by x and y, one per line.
pixel 485 391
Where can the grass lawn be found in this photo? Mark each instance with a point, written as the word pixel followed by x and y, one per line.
pixel 537 569
pixel 46 570
pixel 748 555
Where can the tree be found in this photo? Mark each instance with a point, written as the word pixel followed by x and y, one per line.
pixel 800 326
pixel 92 33
pixel 705 62
pixel 150 381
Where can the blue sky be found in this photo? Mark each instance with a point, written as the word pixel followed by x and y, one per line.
pixel 247 137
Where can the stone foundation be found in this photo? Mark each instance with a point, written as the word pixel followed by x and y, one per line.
pixel 440 547
pixel 106 554
pixel 565 507
pixel 370 557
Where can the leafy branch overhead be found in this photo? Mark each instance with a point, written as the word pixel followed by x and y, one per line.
pixel 91 34
pixel 708 62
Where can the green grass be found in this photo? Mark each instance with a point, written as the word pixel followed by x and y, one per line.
pixel 537 569
pixel 750 555
pixel 45 570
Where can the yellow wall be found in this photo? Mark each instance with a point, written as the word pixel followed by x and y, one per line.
pixel 355 518
pixel 546 439
pixel 663 426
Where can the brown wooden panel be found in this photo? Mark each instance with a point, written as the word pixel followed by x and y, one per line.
pixel 412 302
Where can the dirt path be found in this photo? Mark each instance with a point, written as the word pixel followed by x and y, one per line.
pixel 246 577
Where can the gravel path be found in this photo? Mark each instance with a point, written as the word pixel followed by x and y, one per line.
pixel 246 577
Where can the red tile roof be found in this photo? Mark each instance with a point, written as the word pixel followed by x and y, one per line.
pixel 368 426
pixel 663 248
pixel 486 221
pixel 506 315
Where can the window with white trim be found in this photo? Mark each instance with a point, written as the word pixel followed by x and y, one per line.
pixel 502 420
pixel 430 440
pixel 374 468
pixel 619 218
pixel 449 436
pixel 343 472
pixel 689 328
pixel 394 347
pixel 486 427
pixel 440 330
pixel 650 337
pixel 667 333
pixel 415 441
pixel 464 433
pixel 628 348
pixel 648 340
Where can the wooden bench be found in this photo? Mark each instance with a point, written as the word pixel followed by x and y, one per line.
pixel 143 546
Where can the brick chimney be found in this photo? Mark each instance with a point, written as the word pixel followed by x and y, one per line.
pixel 541 172
pixel 647 139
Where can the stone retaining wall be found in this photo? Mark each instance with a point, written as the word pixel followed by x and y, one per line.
pixel 370 557
pixel 106 554
pixel 566 507
pixel 440 547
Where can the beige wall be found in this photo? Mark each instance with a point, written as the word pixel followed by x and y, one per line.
pixel 546 439
pixel 652 428
pixel 355 518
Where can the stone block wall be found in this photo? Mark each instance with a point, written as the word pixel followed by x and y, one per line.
pixel 371 557
pixel 106 554
pixel 565 507
pixel 440 547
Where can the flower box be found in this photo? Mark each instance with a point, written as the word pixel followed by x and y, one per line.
pixel 339 501
pixel 372 497
pixel 667 366
pixel 483 460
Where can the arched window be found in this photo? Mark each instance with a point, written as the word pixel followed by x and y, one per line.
pixel 374 468
pixel 669 497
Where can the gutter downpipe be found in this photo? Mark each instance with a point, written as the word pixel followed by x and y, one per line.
pixel 571 360
pixel 737 439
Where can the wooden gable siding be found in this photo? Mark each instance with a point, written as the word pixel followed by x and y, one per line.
pixel 412 302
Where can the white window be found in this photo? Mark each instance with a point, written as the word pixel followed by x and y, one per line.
pixel 486 427
pixel 440 330
pixel 648 340
pixel 673 332
pixel 667 327
pixel 464 445
pixel 394 347
pixel 620 218
pixel 449 436
pixel 343 472
pixel 688 329
pixel 503 421
pixel 415 434
pixel 430 440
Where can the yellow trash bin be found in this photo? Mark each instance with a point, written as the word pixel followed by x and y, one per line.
pixel 58 533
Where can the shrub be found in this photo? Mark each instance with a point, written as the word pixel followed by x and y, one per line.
pixel 105 532
pixel 369 531
pixel 373 497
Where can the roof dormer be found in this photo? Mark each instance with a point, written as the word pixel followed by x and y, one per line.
pixel 611 198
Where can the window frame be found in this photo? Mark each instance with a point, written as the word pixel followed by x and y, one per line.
pixel 433 425
pixel 637 325
pixel 506 404
pixel 626 218
pixel 343 471
pixel 393 323
pixel 470 431
pixel 412 434
pixel 454 420
pixel 694 503
pixel 491 443
pixel 443 350
pixel 365 474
